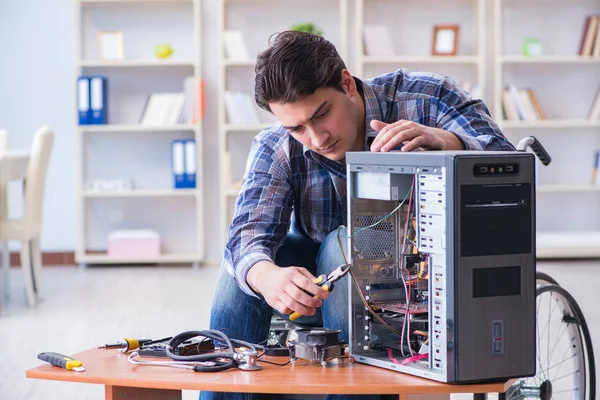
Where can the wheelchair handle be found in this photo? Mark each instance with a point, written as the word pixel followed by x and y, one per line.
pixel 536 146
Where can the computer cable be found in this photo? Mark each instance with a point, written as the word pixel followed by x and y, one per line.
pixel 245 360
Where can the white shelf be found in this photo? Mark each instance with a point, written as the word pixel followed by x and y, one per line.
pixel 148 164
pixel 577 237
pixel 575 59
pixel 568 244
pixel 247 128
pixel 550 123
pixel 399 60
pixel 566 188
pixel 136 128
pixel 141 193
pixel 135 63
pixel 239 63
pixel 233 75
pixel 133 1
pixel 162 259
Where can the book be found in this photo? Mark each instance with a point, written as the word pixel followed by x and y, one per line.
pixel 595 180
pixel 594 113
pixel 589 35
pixel 535 103
pixel 586 26
pixel 241 109
pixel 510 110
pixel 596 50
pixel 515 98
pixel 526 101
pixel 235 46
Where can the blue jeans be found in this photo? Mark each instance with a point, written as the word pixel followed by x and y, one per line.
pixel 249 318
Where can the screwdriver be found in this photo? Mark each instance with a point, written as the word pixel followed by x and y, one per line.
pixel 62 361
pixel 126 344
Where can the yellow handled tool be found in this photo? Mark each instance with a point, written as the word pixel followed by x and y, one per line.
pixel 62 361
pixel 326 282
pixel 126 344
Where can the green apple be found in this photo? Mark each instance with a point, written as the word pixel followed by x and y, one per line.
pixel 163 50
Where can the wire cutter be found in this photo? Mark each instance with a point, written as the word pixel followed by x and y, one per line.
pixel 326 282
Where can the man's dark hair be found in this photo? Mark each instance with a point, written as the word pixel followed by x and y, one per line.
pixel 294 66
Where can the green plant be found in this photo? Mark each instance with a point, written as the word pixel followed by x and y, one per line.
pixel 307 27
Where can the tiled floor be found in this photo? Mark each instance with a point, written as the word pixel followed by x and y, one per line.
pixel 88 307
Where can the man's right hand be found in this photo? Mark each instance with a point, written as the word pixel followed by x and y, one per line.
pixel 285 289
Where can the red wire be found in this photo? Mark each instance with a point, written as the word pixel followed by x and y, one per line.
pixel 406 292
pixel 415 358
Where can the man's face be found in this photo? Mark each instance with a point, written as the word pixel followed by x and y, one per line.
pixel 326 122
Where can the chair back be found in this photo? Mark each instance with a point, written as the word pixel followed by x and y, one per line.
pixel 3 188
pixel 36 180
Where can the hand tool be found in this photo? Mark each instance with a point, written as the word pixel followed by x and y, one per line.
pixel 62 361
pixel 126 344
pixel 326 283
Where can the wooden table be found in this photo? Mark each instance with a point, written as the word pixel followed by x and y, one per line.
pixel 127 381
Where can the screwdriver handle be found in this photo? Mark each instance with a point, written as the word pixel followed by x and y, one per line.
pixel 60 360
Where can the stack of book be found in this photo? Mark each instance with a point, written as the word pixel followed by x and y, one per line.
pixel 590 38
pixel 521 104
pixel 165 109
pixel 241 109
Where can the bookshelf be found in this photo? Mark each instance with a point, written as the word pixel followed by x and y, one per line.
pixel 125 149
pixel 413 42
pixel 568 215
pixel 237 74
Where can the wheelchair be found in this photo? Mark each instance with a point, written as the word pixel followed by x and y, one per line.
pixel 565 357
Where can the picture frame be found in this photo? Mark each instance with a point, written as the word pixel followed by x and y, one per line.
pixel 110 45
pixel 445 40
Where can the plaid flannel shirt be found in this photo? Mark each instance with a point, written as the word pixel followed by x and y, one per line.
pixel 289 187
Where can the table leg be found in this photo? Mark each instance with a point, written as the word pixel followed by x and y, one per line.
pixel 131 393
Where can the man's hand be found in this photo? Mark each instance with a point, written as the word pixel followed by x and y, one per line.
pixel 284 288
pixel 413 135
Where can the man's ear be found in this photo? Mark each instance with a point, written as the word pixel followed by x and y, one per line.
pixel 348 82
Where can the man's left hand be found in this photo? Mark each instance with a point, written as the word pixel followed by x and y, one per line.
pixel 413 135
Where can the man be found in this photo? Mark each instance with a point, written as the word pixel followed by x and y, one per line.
pixel 293 196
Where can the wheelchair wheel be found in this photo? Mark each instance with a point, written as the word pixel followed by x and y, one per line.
pixel 565 358
pixel 544 279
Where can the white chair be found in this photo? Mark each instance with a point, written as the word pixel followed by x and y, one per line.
pixel 27 230
pixel 3 215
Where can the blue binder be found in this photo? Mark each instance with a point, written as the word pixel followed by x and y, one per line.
pixel 178 163
pixel 183 164
pixel 98 100
pixel 83 100
pixel 190 163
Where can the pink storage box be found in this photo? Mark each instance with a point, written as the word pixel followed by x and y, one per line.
pixel 133 244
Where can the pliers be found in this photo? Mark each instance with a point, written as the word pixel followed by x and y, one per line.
pixel 326 283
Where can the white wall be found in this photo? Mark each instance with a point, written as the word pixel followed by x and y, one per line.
pixel 36 87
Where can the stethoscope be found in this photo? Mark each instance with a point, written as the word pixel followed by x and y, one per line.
pixel 210 362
